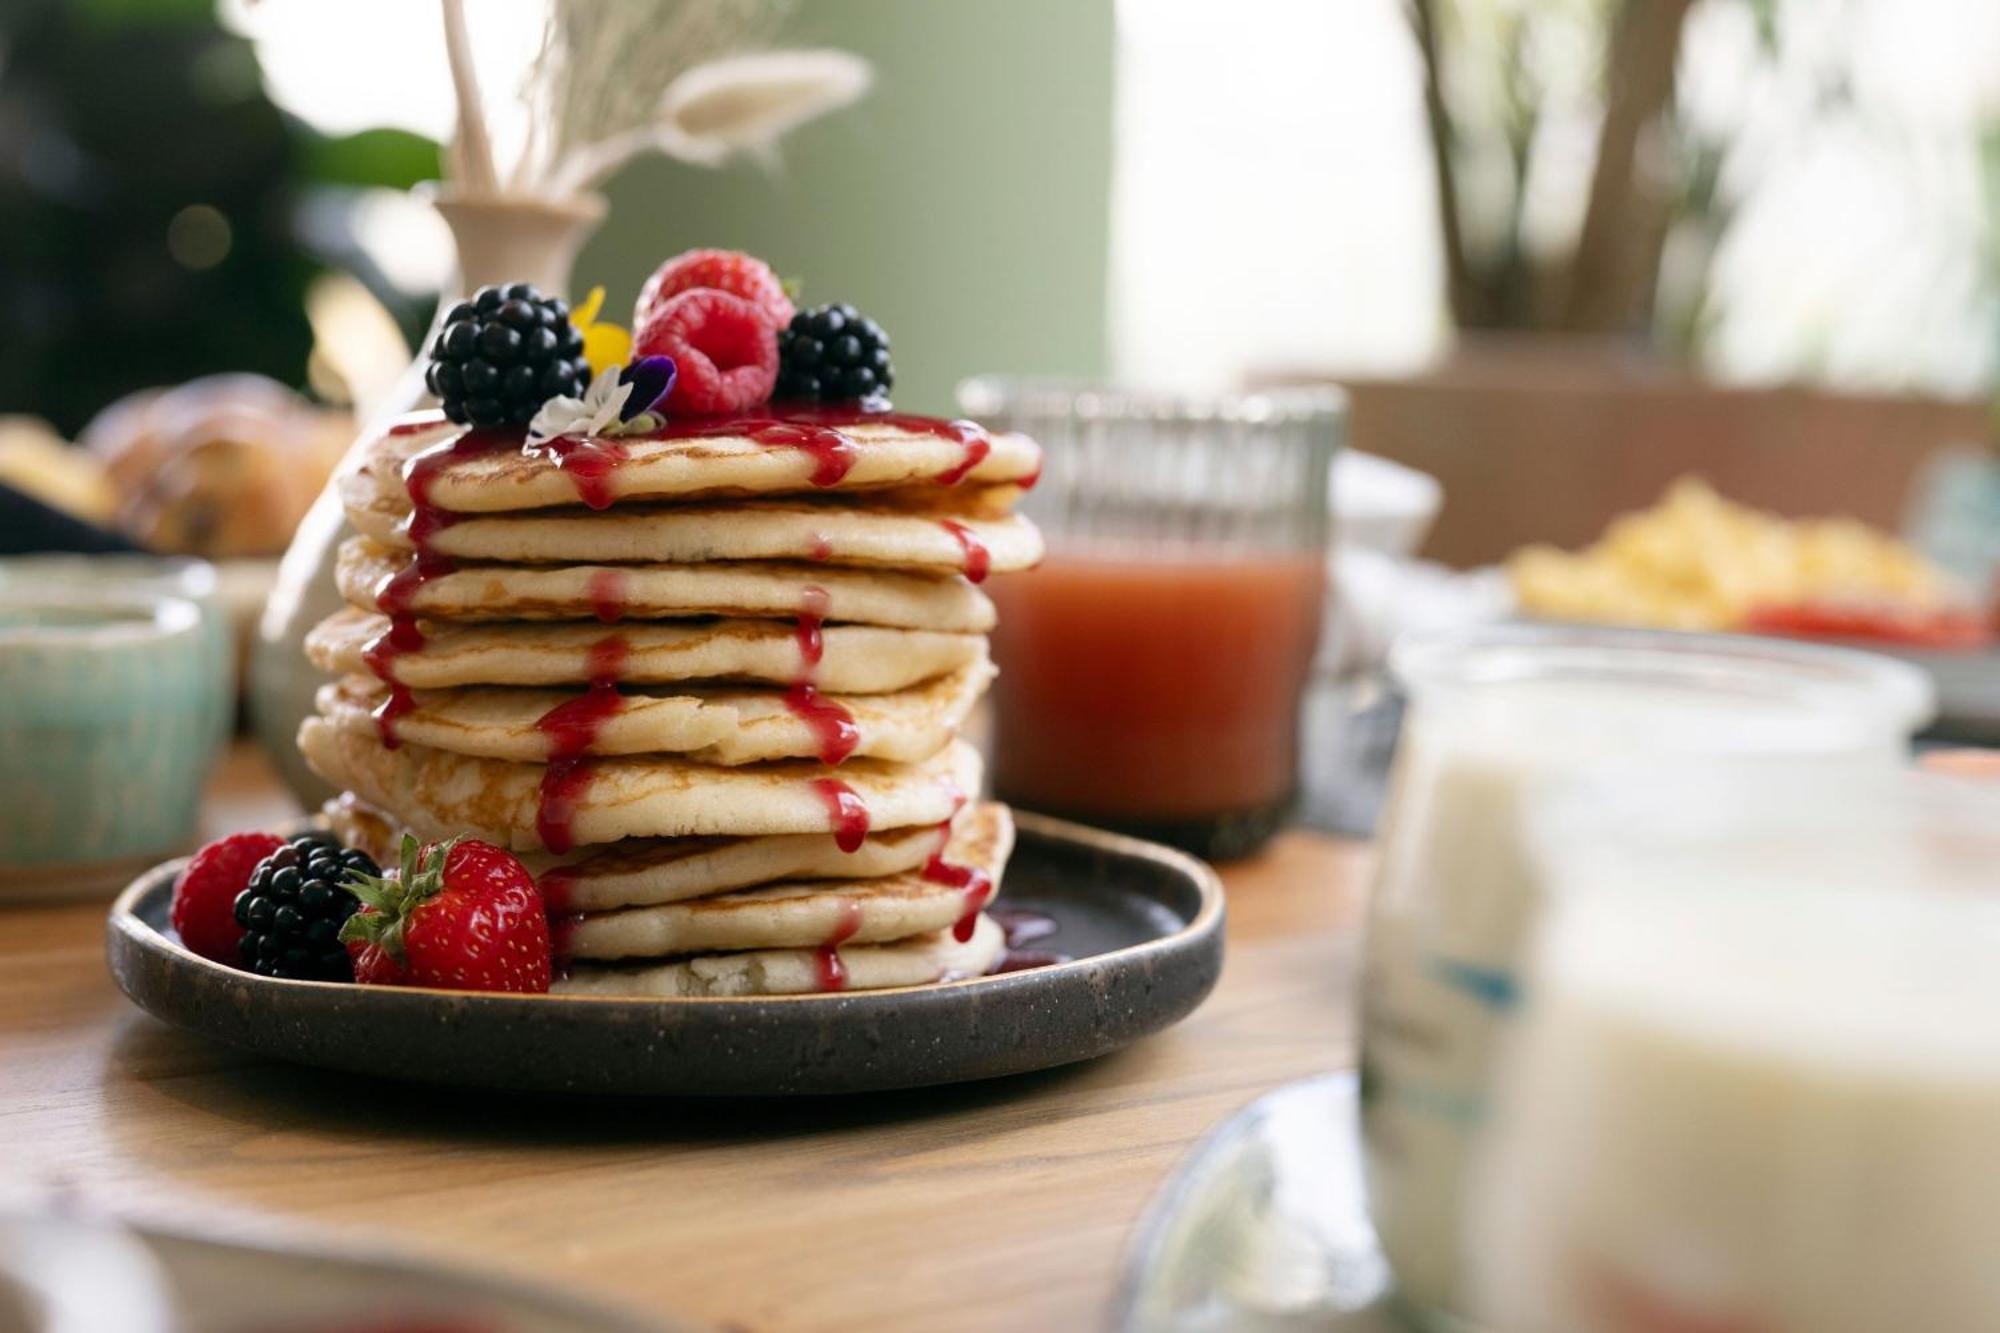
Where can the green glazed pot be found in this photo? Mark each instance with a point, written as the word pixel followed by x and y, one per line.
pixel 90 576
pixel 107 733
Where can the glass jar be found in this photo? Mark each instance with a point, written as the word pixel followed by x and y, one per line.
pixel 1755 1074
pixel 1152 670
pixel 1494 713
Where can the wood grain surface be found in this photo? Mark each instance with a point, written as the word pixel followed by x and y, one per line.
pixel 1004 1205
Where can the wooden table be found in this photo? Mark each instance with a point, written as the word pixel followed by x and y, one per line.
pixel 1004 1205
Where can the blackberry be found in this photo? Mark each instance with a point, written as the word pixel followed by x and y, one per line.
pixel 502 354
pixel 294 906
pixel 834 354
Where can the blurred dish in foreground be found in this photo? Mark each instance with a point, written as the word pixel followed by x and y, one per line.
pixel 1698 561
pixel 1263 1228
pixel 61 1272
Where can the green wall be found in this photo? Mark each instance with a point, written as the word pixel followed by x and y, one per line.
pixel 964 203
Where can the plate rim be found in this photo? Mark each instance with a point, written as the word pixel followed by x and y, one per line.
pixel 123 919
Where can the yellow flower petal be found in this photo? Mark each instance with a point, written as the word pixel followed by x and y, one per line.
pixel 583 316
pixel 606 345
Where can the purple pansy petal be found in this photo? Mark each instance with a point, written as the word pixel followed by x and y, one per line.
pixel 652 379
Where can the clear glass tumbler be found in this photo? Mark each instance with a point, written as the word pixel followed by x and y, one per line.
pixel 1494 713
pixel 1751 1091
pixel 1152 670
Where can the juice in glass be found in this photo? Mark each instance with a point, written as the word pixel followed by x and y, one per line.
pixel 1152 669
pixel 1150 691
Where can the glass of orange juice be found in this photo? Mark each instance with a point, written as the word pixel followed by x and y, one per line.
pixel 1152 670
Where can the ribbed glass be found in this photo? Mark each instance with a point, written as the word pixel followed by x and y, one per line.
pixel 1243 471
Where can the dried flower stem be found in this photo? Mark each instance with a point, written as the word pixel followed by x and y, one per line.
pixel 474 147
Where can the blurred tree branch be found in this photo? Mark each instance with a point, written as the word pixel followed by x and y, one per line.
pixel 1615 271
pixel 1607 284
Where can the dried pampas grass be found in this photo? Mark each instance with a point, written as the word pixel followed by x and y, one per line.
pixel 616 78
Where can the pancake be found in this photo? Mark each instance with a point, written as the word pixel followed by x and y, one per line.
pixel 918 961
pixel 508 478
pixel 642 871
pixel 806 914
pixel 709 725
pixel 854 659
pixel 653 797
pixel 666 592
pixel 906 534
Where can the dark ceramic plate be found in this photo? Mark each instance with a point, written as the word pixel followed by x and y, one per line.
pixel 1142 924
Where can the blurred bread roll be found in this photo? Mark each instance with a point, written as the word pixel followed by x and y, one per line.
pixel 221 467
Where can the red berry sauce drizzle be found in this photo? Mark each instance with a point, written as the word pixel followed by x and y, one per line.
pixel 833 972
pixel 608 599
pixel 1023 927
pixel 588 462
pixel 813 606
pixel 848 812
pixel 832 725
pixel 573 727
pixel 978 559
pixel 832 452
pixel 817 431
pixel 380 654
pixel 396 594
pixel 976 884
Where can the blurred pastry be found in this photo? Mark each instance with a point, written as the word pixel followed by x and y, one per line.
pixel 221 467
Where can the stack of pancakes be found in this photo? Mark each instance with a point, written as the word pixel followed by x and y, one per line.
pixel 708 684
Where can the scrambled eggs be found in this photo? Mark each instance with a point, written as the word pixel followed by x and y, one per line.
pixel 1699 562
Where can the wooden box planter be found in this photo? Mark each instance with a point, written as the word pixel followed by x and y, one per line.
pixel 1544 438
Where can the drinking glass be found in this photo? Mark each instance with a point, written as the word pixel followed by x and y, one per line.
pixel 1493 712
pixel 1753 1088
pixel 1152 670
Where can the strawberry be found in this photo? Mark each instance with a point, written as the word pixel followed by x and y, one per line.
pixel 204 904
pixel 463 915
pixel 729 271
pixel 727 356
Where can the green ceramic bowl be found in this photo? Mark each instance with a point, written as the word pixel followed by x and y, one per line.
pixel 107 731
pixel 92 576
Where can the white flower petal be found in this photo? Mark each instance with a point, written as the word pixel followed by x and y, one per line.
pixel 557 416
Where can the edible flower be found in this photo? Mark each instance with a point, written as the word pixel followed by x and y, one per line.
pixel 605 344
pixel 621 400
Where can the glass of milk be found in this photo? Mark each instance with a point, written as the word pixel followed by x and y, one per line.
pixel 1751 1090
pixel 1493 713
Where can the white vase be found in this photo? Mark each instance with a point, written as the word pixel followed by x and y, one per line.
pixel 500 239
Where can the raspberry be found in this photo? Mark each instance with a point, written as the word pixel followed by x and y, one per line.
pixel 726 353
pixel 204 905
pixel 724 270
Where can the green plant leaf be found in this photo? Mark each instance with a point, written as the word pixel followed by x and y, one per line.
pixel 386 158
pixel 113 12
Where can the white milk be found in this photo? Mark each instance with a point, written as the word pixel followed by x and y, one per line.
pixel 1740 1105
pixel 1493 717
